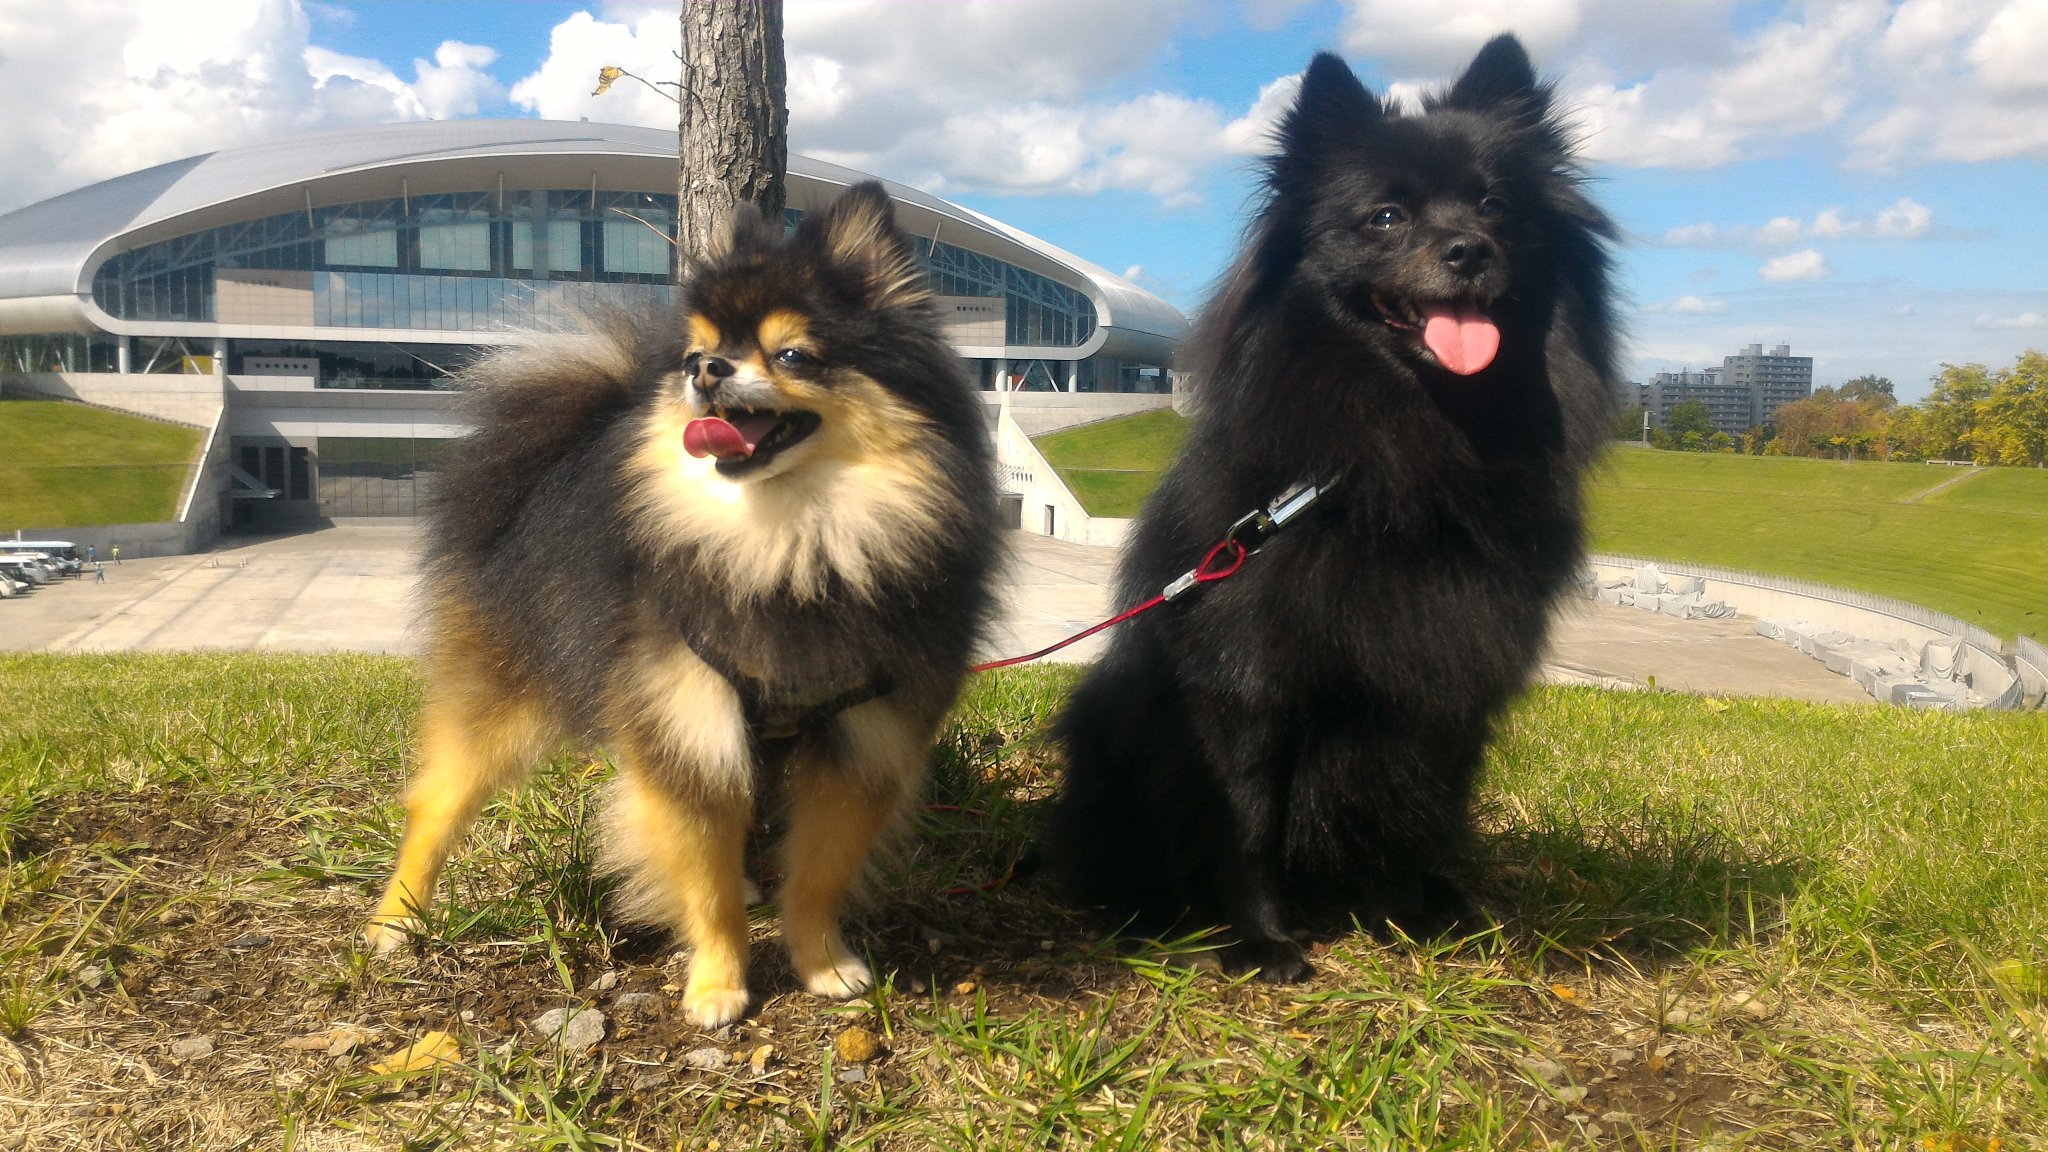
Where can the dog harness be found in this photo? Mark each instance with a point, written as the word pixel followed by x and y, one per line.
pixel 777 712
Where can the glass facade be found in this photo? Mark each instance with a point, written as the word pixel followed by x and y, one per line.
pixel 59 352
pixel 471 261
pixel 371 476
pixel 481 262
pixel 364 364
pixel 1042 312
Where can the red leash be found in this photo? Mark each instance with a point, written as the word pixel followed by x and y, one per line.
pixel 1245 537
pixel 1200 575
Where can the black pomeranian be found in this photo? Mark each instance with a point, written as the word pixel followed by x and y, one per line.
pixel 1418 325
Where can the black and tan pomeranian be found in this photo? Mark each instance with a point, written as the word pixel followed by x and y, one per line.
pixel 747 549
pixel 1419 322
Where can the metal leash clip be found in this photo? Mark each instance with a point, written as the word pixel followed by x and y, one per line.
pixel 1254 528
pixel 1249 534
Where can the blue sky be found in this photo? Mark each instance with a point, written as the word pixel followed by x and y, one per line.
pixel 1865 180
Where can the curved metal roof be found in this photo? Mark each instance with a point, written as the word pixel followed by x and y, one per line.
pixel 50 250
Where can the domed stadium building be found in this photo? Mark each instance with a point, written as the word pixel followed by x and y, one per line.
pixel 307 301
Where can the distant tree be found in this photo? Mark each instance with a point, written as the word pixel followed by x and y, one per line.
pixel 733 119
pixel 1869 390
pixel 2012 422
pixel 1948 417
pixel 1756 440
pixel 1689 428
pixel 1834 424
pixel 1628 423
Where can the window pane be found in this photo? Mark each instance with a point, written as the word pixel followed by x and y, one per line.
pixel 364 249
pixel 460 247
pixel 630 246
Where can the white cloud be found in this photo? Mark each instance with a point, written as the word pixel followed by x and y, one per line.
pixel 1252 133
pixel 2023 320
pixel 1697 85
pixel 1791 77
pixel 1829 225
pixel 2008 54
pixel 1806 264
pixel 986 95
pixel 562 87
pixel 103 87
pixel 1441 38
pixel 1904 219
pixel 1689 306
pixel 1781 230
pixel 1960 80
pixel 1693 236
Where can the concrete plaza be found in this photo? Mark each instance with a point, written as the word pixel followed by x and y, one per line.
pixel 352 589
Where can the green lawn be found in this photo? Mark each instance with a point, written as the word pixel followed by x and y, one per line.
pixel 67 465
pixel 1736 924
pixel 1977 550
pixel 1112 465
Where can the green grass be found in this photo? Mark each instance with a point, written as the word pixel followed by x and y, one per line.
pixel 1978 550
pixel 68 466
pixel 1112 465
pixel 1727 923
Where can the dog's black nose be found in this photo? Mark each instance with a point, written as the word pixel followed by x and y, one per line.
pixel 1466 254
pixel 711 372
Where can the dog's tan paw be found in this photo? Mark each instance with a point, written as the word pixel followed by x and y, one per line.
pixel 839 981
pixel 714 1005
pixel 386 936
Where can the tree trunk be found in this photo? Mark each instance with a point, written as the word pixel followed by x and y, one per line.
pixel 733 138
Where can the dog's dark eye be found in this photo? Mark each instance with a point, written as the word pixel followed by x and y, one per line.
pixel 794 358
pixel 1387 215
pixel 1492 208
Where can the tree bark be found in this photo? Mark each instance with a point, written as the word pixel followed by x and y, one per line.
pixel 733 138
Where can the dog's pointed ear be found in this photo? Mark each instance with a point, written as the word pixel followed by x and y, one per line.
pixel 1332 103
pixel 745 232
pixel 1500 76
pixel 858 235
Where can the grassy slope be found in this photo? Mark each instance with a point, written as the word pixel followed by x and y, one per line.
pixel 68 465
pixel 1112 465
pixel 1757 923
pixel 1978 550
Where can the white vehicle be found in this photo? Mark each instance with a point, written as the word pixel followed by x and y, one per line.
pixel 62 555
pixel 26 568
pixel 8 587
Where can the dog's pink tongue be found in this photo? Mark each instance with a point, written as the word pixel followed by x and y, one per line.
pixel 710 436
pixel 1464 340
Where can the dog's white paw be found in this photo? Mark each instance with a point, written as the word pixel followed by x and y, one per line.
pixel 842 980
pixel 386 936
pixel 750 891
pixel 714 1005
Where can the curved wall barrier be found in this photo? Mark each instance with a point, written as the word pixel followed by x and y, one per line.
pixel 2031 662
pixel 1981 662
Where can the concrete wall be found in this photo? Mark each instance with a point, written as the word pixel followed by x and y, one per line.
pixel 1026 473
pixel 1877 618
pixel 168 538
pixel 187 399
